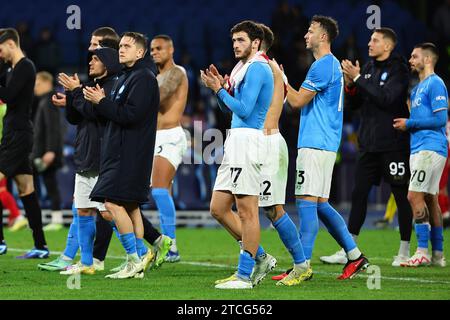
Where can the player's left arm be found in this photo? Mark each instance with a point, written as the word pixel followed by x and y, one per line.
pixel 171 83
pixel 22 75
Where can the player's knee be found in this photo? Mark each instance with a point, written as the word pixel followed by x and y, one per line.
pixel 216 211
pixel 246 214
pixel 414 198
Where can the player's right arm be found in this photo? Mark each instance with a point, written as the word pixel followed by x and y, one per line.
pixel 223 81
pixel 352 94
pixel 222 106
pixel 83 107
pixel 72 115
pixel 437 95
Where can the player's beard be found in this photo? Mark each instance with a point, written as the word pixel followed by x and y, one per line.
pixel 417 69
pixel 246 53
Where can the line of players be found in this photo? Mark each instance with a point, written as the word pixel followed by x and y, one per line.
pixel 248 168
pixel 254 82
pixel 104 70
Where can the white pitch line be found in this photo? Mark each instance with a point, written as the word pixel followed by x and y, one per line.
pixel 226 266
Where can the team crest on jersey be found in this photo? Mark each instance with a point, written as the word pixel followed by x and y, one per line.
pixel 383 78
pixel 367 76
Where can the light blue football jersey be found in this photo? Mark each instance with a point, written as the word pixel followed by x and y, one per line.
pixel 321 119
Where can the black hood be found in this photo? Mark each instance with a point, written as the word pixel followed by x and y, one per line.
pixel 394 58
pixel 110 58
pixel 145 62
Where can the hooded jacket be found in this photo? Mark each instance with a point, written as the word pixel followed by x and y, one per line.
pixel 380 93
pixel 129 140
pixel 90 126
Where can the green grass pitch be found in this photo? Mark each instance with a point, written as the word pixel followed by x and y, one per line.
pixel 210 254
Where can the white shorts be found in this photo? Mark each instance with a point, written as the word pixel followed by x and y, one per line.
pixel 314 172
pixel 274 172
pixel 240 171
pixel 171 144
pixel 426 171
pixel 84 183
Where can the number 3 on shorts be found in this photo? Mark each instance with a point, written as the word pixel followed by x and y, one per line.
pixel 300 177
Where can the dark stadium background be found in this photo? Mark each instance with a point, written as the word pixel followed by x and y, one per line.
pixel 200 30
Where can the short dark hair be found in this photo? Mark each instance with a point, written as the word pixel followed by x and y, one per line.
pixel 9 34
pixel 105 32
pixel 110 38
pixel 430 47
pixel 140 38
pixel 253 30
pixel 164 37
pixel 109 43
pixel 328 24
pixel 268 36
pixel 387 33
